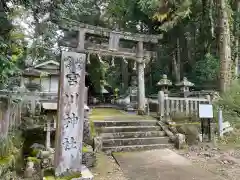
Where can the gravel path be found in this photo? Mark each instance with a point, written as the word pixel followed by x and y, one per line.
pixel 224 163
pixel 107 169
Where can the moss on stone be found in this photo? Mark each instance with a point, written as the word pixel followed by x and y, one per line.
pixel 92 129
pixel 34 160
pixel 85 149
pixel 48 175
pixel 34 152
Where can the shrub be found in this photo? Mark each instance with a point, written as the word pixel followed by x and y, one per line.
pixel 230 103
pixel 6 147
pixel 190 131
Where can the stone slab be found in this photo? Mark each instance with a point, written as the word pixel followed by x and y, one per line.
pixel 69 131
pixel 109 150
pixel 162 164
pixel 133 134
pixel 135 141
pixel 114 129
pixel 134 122
pixel 86 175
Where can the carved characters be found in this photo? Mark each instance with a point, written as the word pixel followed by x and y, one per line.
pixel 69 143
pixel 70 98
pixel 74 65
pixel 73 120
pixel 73 78
pixel 70 126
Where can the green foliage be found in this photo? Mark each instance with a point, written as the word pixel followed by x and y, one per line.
pixel 10 144
pixel 6 147
pixel 230 102
pixel 12 43
pixel 206 70
pixel 168 13
pixel 34 152
pixel 7 163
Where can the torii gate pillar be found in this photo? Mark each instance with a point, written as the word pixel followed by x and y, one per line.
pixel 141 82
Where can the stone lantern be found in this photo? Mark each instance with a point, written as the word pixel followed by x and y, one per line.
pixel 185 85
pixel 164 83
pixel 133 90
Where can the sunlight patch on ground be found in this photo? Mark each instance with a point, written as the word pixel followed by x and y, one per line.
pixel 109 113
pixel 105 112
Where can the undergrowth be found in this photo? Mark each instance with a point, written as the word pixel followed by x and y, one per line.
pixel 230 105
pixel 10 144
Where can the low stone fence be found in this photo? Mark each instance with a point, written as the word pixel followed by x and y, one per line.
pixel 165 105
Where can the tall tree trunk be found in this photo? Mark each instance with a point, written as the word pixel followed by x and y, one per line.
pixel 236 36
pixel 206 29
pixel 224 47
pixel 176 60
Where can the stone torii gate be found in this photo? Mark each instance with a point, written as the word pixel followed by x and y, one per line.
pixel 82 44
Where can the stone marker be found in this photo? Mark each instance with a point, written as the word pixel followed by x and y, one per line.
pixel 180 141
pixel 69 132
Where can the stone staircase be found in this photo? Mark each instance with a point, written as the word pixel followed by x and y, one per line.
pixel 131 135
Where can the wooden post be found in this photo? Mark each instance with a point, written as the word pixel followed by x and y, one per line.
pixel 81 39
pixel 69 132
pixel 220 123
pixel 48 132
pixel 187 106
pixel 124 69
pixel 141 82
pixel 161 104
pixel 86 95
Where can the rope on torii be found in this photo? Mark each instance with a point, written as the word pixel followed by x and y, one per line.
pixel 88 59
pixel 100 59
pixel 124 59
pixel 112 62
pixel 135 66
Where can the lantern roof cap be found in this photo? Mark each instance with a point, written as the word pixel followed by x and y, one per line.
pixel 164 81
pixel 185 82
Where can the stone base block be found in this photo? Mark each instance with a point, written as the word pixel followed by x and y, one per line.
pixel 86 174
pixel 88 157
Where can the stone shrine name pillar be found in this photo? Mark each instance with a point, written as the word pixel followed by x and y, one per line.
pixel 141 82
pixel 69 132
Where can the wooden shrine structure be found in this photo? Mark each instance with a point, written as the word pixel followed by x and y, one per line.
pixel 90 39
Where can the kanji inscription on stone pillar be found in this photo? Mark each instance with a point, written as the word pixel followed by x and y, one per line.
pixel 69 133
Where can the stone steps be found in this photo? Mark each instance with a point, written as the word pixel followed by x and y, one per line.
pixel 111 149
pixel 110 123
pixel 114 129
pixel 135 141
pixel 133 134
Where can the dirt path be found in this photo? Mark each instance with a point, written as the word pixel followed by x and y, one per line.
pixel 162 164
pixel 224 163
pixel 107 169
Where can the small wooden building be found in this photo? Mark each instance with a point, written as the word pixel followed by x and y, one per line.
pixel 43 77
